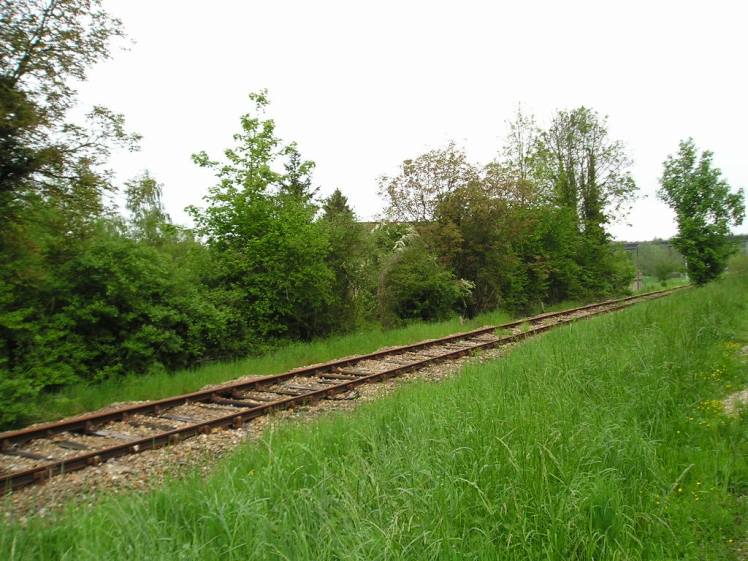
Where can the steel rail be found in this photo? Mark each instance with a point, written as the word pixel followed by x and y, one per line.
pixel 87 423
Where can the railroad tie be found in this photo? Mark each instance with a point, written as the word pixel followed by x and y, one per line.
pixel 71 445
pixel 245 402
pixel 284 391
pixel 182 418
pixel 28 455
pixel 153 426
pixel 113 435
pixel 351 372
pixel 335 376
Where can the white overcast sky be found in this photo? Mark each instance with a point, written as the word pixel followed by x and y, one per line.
pixel 363 85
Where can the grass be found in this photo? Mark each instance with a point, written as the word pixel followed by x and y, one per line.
pixel 600 440
pixel 648 284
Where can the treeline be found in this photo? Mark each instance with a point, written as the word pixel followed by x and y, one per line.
pixel 659 259
pixel 89 292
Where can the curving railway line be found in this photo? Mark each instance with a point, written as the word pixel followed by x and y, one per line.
pixel 35 454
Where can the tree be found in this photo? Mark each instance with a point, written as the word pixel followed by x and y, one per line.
pixel 297 180
pixel 148 219
pixel 705 208
pixel 346 258
pixel 474 234
pixel 658 260
pixel 414 285
pixel 514 176
pixel 412 195
pixel 270 254
pixel 584 169
pixel 45 47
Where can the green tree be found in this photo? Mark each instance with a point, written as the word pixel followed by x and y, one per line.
pixel 45 48
pixel 347 259
pixel 412 194
pixel 658 260
pixel 474 234
pixel 270 253
pixel 148 219
pixel 514 176
pixel 705 208
pixel 584 169
pixel 414 285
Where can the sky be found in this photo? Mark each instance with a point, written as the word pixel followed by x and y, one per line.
pixel 361 86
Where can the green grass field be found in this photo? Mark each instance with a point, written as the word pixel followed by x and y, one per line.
pixel 600 440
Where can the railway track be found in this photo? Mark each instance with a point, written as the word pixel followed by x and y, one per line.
pixel 35 454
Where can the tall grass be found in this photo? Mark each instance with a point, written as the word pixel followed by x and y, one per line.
pixel 600 440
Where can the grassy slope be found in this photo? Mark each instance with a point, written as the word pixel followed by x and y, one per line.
pixel 597 441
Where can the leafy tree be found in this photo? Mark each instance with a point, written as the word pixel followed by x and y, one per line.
pixel 46 47
pixel 659 261
pixel 270 253
pixel 584 169
pixel 473 233
pixel 148 219
pixel 297 180
pixel 705 208
pixel 414 285
pixel 347 259
pixel 412 195
pixel 514 177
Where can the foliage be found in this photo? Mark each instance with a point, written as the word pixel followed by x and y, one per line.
pixel 412 195
pixel 738 264
pixel 704 207
pixel 659 261
pixel 474 235
pixel 516 177
pixel 45 48
pixel 269 252
pixel 583 169
pixel 415 286
pixel 347 260
pixel 98 306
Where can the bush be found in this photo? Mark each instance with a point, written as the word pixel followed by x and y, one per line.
pixel 415 286
pixel 738 264
pixel 659 261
